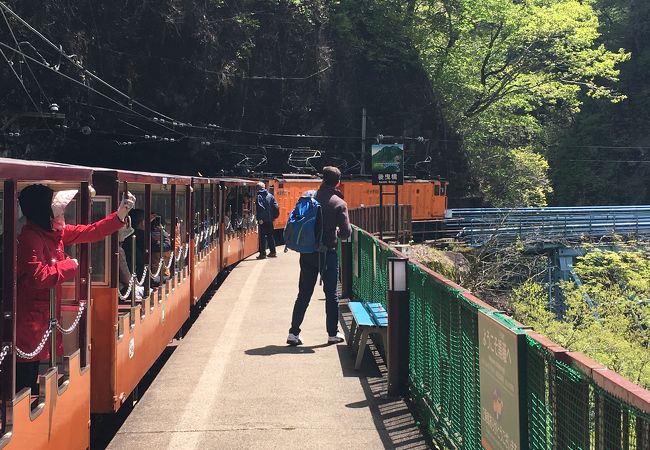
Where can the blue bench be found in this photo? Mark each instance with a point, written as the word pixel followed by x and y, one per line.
pixel 366 318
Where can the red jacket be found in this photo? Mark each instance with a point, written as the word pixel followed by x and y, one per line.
pixel 42 264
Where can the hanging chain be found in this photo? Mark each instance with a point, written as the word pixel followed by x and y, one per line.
pixel 31 355
pixel 169 263
pixel 160 264
pixel 127 295
pixel 3 354
pixel 140 282
pixel 82 306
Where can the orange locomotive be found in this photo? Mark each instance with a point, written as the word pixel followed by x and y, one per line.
pixel 427 197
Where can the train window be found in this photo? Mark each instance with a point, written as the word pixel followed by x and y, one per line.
pixel 181 213
pixel 231 210
pixel 161 208
pixel 208 207
pixel 436 190
pixel 252 199
pixel 99 257
pixel 197 207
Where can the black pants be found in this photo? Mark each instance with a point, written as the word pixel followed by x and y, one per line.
pixel 27 376
pixel 329 267
pixel 266 234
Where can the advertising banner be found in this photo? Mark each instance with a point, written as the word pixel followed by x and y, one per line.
pixel 388 164
pixel 500 348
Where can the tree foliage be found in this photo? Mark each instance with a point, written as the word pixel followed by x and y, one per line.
pixel 506 71
pixel 616 331
pixel 608 142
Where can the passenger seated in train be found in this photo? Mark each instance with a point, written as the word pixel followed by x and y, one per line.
pixel 43 265
pixel 158 234
pixel 125 274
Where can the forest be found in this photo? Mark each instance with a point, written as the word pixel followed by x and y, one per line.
pixel 517 103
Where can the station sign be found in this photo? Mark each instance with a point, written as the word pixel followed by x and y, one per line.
pixel 503 409
pixel 388 164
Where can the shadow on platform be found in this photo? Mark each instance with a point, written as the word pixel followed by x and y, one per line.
pixel 270 350
pixel 392 416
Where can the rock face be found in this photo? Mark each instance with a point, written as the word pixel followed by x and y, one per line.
pixel 249 76
pixel 453 265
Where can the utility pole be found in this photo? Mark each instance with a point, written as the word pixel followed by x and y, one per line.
pixel 363 141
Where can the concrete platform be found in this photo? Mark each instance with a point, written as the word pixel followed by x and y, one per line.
pixel 233 383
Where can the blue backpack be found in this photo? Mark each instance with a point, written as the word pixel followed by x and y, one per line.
pixel 300 233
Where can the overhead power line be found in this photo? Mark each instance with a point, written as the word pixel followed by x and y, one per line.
pixel 159 118
pixel 20 81
pixel 77 64
pixel 11 31
pixel 85 86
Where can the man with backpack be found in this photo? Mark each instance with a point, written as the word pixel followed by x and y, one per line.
pixel 312 230
pixel 266 212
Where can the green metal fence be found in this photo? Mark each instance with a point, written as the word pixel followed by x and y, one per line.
pixel 566 407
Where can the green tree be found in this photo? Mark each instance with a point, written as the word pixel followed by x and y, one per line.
pixel 616 330
pixel 507 72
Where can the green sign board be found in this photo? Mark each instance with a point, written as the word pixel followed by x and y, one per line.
pixel 388 164
pixel 502 408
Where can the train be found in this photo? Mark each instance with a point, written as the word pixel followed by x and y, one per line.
pixel 428 198
pixel 113 333
pixel 111 338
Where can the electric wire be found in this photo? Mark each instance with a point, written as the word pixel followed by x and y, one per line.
pixel 11 31
pixel 101 94
pixel 20 81
pixel 78 65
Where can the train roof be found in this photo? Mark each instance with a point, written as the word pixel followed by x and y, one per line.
pixel 22 170
pixel 132 176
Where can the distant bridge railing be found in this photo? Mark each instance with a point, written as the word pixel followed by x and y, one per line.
pixel 479 225
pixel 368 218
pixel 566 400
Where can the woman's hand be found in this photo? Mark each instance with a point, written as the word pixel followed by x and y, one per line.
pixel 127 204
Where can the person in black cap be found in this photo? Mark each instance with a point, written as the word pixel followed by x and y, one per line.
pixel 43 265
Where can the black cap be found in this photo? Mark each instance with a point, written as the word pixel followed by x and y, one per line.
pixel 36 204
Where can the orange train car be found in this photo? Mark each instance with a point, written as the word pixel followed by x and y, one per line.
pixel 59 416
pixel 202 225
pixel 129 332
pixel 224 228
pixel 206 227
pixel 240 236
pixel 427 197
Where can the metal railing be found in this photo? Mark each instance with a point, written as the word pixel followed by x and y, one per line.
pixel 565 399
pixel 369 217
pixel 479 225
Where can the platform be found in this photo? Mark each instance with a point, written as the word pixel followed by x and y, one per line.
pixel 233 383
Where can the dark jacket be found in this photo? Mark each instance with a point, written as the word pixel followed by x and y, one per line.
pixel 335 214
pixel 267 208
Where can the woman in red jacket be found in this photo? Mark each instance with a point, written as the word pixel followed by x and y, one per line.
pixel 42 264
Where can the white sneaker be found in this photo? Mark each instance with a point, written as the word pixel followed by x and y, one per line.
pixel 336 339
pixel 294 340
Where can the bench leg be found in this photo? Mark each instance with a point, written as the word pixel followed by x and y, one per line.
pixel 355 339
pixel 352 333
pixel 362 348
pixel 384 336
